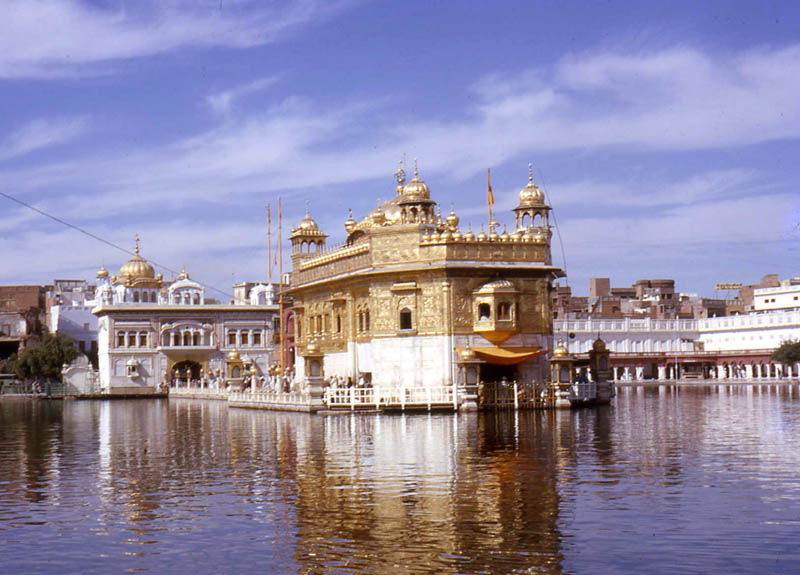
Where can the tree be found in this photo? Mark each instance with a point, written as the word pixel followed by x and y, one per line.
pixel 788 353
pixel 45 359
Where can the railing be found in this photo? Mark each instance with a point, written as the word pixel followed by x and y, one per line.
pixel 365 397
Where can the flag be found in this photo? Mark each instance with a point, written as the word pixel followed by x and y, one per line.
pixel 489 184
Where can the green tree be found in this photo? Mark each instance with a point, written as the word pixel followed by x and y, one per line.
pixel 9 365
pixel 788 353
pixel 45 359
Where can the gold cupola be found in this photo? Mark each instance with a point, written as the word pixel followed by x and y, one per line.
pixel 350 224
pixel 416 189
pixel 137 271
pixel 102 272
pixel 531 195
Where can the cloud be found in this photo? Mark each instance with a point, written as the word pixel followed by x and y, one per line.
pixel 222 102
pixel 40 134
pixel 57 38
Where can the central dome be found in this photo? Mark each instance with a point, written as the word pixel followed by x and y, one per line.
pixel 137 267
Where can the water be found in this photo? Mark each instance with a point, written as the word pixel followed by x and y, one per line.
pixel 667 480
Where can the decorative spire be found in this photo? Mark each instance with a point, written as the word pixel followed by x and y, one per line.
pixel 416 170
pixel 400 174
pixel 308 213
pixel 530 173
pixel 136 244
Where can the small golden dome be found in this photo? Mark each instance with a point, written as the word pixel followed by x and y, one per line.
pixel 452 220
pixel 540 237
pixel 482 237
pixel 183 275
pixel 469 236
pixel 102 272
pixel 531 194
pixel 560 350
pixel 350 224
pixel 233 356
pixel 504 237
pixel 253 370
pixel 493 235
pixel 599 345
pixel 468 354
pixel 416 189
pixel 136 267
pixel 307 224
pixel 378 216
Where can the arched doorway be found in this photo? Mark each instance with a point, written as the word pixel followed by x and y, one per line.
pixel 182 366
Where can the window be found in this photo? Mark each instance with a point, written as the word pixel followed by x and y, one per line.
pixel 143 339
pixel 120 339
pixel 366 320
pixel 244 338
pixel 196 338
pixel 504 310
pixel 136 297
pixel 86 325
pixel 405 318
pixel 187 338
pixel 256 338
pixel 484 311
pixel 231 337
pixel 339 323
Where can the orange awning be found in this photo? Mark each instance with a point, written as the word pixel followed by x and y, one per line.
pixel 507 355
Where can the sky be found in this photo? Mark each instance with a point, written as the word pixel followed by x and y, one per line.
pixel 666 135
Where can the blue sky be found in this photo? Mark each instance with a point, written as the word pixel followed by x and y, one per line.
pixel 665 134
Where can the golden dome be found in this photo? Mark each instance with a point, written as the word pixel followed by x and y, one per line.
pixel 233 356
pixel 102 272
pixel 469 236
pixel 452 220
pixel 482 235
pixel 378 216
pixel 307 224
pixel 531 194
pixel 183 275
pixel 560 350
pixel 416 189
pixel 136 267
pixel 350 224
pixel 468 354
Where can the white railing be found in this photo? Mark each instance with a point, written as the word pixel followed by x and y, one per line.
pixel 360 397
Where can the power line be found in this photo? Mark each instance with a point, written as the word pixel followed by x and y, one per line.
pixel 100 239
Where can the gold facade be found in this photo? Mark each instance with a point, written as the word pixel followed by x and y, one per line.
pixel 405 272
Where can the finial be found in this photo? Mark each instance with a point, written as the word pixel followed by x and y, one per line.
pixel 400 174
pixel 530 172
pixel 350 213
pixel 307 212
pixel 416 170
pixel 136 244
pixel 452 208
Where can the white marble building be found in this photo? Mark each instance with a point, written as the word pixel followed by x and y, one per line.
pixel 152 334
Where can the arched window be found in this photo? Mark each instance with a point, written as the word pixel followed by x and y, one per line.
pixel 244 337
pixel 405 318
pixel 484 311
pixel 537 219
pixel 338 323
pixel 197 299
pixel 504 310
pixel 153 297
pixel 361 321
pixel 232 337
pixel 187 338
pixel 366 320
pixel 235 372
pixel 142 339
pixel 196 338
pixel 165 339
pixel 136 297
pixel 120 339
pixel 526 220
pixel 256 338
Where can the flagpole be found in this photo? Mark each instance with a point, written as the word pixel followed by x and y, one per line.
pixel 490 196
pixel 280 278
pixel 269 244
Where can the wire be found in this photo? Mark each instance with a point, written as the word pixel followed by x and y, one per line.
pixel 555 224
pixel 99 239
